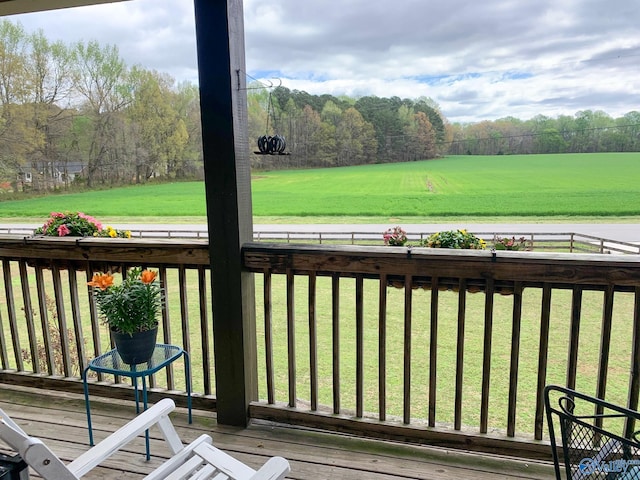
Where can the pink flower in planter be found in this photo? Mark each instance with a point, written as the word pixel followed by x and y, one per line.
pixel 90 219
pixel 395 237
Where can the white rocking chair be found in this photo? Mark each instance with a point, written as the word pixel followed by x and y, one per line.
pixel 198 460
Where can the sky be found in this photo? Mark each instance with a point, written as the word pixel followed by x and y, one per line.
pixel 477 59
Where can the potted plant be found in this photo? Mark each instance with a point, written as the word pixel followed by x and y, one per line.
pixel 512 243
pixel 77 224
pixel 396 237
pixel 131 311
pixel 460 239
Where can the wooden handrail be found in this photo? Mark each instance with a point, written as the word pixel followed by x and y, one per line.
pixel 531 268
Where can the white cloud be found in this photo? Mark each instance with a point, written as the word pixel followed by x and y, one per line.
pixel 478 60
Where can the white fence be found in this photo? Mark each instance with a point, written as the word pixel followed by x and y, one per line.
pixel 563 241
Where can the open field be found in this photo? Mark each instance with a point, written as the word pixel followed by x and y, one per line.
pixel 559 186
pixel 349 220
pixel 533 185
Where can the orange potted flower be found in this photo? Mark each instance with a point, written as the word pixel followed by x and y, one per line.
pixel 130 310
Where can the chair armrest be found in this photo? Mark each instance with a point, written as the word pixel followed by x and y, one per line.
pixel 107 447
pixel 274 469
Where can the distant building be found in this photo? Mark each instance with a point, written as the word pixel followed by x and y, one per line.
pixel 55 174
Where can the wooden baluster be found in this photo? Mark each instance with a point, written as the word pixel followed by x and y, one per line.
pixel 184 321
pixel 62 321
pixel 433 352
pixel 634 377
pixel 515 356
pixel 28 313
pixel 359 346
pixel 166 321
pixel 13 323
pixel 408 294
pixel 462 307
pixel 543 354
pixel 335 307
pixel 268 336
pixel 605 347
pixel 95 320
pixel 205 337
pixel 313 343
pixel 574 336
pixel 77 321
pixel 44 319
pixel 382 348
pixel 486 355
pixel 291 337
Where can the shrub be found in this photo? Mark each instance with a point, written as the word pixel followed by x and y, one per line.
pixel 460 239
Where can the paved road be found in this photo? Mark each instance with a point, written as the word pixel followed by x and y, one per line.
pixel 623 232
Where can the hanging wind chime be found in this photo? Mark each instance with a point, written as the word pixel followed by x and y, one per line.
pixel 271 144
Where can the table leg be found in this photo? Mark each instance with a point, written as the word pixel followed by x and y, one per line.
pixel 187 375
pixel 135 388
pixel 87 405
pixel 144 400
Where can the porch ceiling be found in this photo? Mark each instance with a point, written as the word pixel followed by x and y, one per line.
pixel 13 7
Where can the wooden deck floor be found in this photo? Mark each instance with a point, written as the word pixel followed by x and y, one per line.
pixel 60 421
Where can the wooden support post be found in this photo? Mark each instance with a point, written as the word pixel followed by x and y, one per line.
pixel 221 63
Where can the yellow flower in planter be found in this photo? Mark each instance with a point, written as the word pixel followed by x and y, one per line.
pixel 113 233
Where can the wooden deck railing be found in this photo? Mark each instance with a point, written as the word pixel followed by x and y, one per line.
pixel 50 327
pixel 460 340
pixel 444 347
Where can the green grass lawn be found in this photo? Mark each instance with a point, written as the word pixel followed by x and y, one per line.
pixel 534 185
pixel 567 186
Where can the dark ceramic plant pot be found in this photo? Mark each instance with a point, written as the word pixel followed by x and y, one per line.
pixel 136 348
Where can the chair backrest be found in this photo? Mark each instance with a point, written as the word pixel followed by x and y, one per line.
pixel 35 453
pixel 198 460
pixel 591 437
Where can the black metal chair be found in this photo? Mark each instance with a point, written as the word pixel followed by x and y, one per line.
pixel 597 439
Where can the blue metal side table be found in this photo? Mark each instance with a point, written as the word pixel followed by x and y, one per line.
pixel 110 362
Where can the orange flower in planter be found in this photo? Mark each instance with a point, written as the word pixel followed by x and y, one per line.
pixel 103 280
pixel 148 276
pixel 133 305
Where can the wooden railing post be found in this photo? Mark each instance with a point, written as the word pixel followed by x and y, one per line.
pixel 221 64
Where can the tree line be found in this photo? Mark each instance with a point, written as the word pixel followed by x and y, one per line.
pixel 322 130
pixel 585 132
pixel 326 131
pixel 78 108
